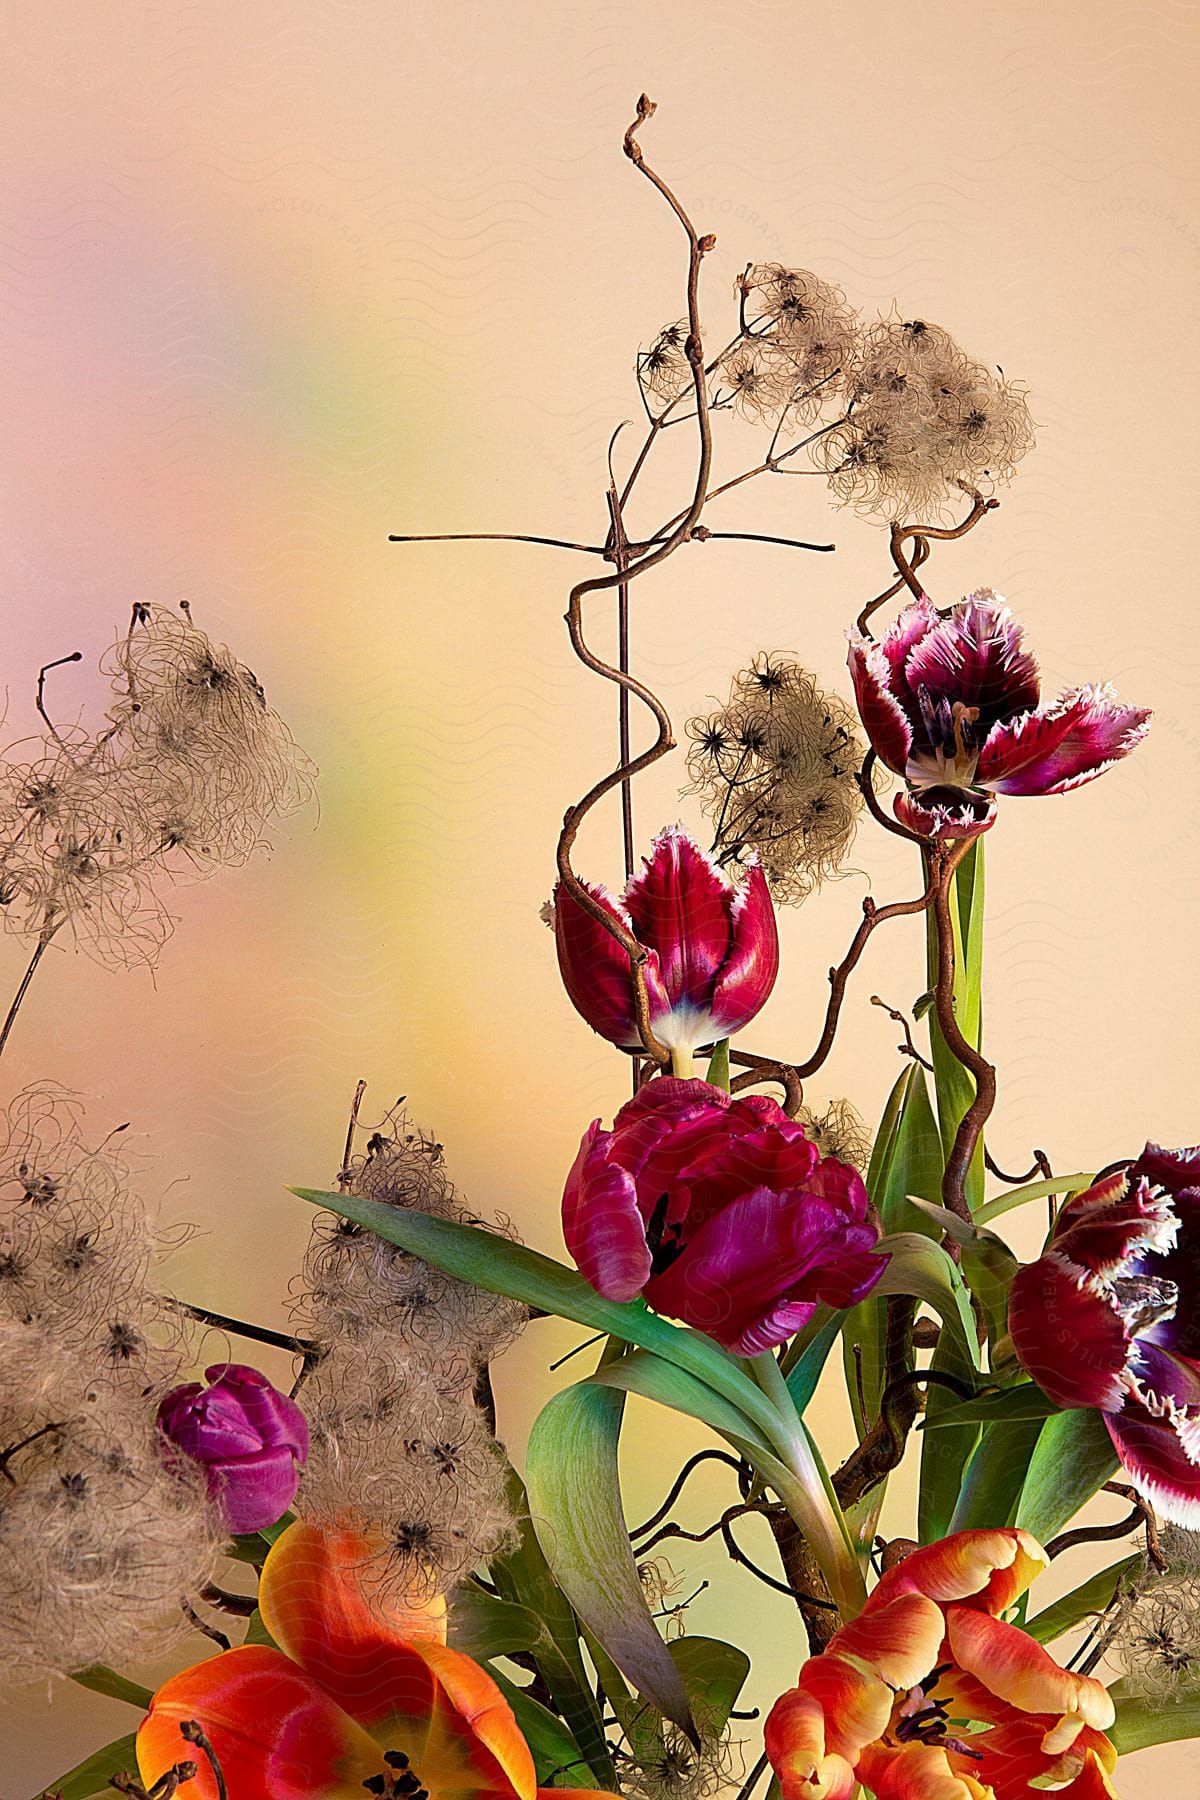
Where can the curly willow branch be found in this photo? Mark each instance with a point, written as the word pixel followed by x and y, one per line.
pixel 921 537
pixel 620 577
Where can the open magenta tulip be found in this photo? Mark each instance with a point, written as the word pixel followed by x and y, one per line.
pixel 720 1212
pixel 1109 1316
pixel 249 1436
pixel 713 949
pixel 952 704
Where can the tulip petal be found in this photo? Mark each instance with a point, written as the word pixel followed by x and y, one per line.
pixel 1020 1673
pixel 1173 1170
pixel 1156 1433
pixel 595 968
pixel 794 1735
pixel 899 1640
pixel 918 1772
pixel 1067 1333
pixel 476 1701
pixel 680 906
pixel 273 1417
pixel 1015 1757
pixel 984 1568
pixel 886 704
pixel 1048 752
pixel 944 812
pixel 977 657
pixel 275 1732
pixel 763 1251
pixel 881 713
pixel 1115 1219
pixel 313 1603
pixel 256 1491
pixel 745 982
pixel 602 1225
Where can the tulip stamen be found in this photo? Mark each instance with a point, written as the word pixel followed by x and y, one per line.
pixel 1144 1300
pixel 948 727
pixel 923 1719
pixel 402 1784
pixel 664 1241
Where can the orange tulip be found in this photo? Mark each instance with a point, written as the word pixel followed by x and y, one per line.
pixel 930 1695
pixel 354 1700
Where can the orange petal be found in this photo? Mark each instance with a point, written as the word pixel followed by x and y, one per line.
pixel 1014 1758
pixel 313 1604
pixel 485 1714
pixel 918 1772
pixel 989 1569
pixel 794 1736
pixel 275 1733
pixel 899 1641
pixel 1092 1782
pixel 1008 1662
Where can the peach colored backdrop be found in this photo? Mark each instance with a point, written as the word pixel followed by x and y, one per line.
pixel 278 278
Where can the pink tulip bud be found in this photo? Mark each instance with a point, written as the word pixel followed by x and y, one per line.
pixel 249 1436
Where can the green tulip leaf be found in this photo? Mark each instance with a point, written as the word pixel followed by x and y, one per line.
pixel 557 1758
pixel 1024 1401
pixel 907 1160
pixel 1033 1190
pixel 575 1503
pixel 1088 1600
pixel 90 1778
pixel 523 1576
pixel 718 1066
pixel 103 1680
pixel 501 1267
pixel 1072 1460
pixel 1139 1723
pixel 482 1625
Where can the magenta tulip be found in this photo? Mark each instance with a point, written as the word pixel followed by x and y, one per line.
pixel 713 949
pixel 249 1437
pixel 1109 1317
pixel 953 704
pixel 719 1212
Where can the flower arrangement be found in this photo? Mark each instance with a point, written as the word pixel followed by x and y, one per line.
pixel 417 1616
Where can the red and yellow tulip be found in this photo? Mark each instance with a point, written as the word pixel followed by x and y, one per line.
pixel 930 1695
pixel 353 1701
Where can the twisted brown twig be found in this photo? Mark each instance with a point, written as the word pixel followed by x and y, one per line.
pixel 907 1048
pixel 628 767
pixel 920 536
pixel 761 1068
pixel 883 1447
pixel 192 1732
pixel 1141 1514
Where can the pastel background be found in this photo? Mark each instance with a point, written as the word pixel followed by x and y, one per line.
pixel 279 277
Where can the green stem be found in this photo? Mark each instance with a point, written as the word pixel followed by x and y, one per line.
pixel 802 1483
pixel 954 1086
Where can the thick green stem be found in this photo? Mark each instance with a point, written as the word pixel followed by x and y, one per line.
pixel 802 1483
pixel 953 1083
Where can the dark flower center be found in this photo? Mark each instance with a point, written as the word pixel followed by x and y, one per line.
pixel 403 1783
pixel 953 741
pixel 663 1240
pixel 922 1719
pixel 1142 1300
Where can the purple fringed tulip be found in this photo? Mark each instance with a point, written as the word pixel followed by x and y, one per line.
pixel 713 949
pixel 1109 1316
pixel 952 704
pixel 249 1436
pixel 719 1212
